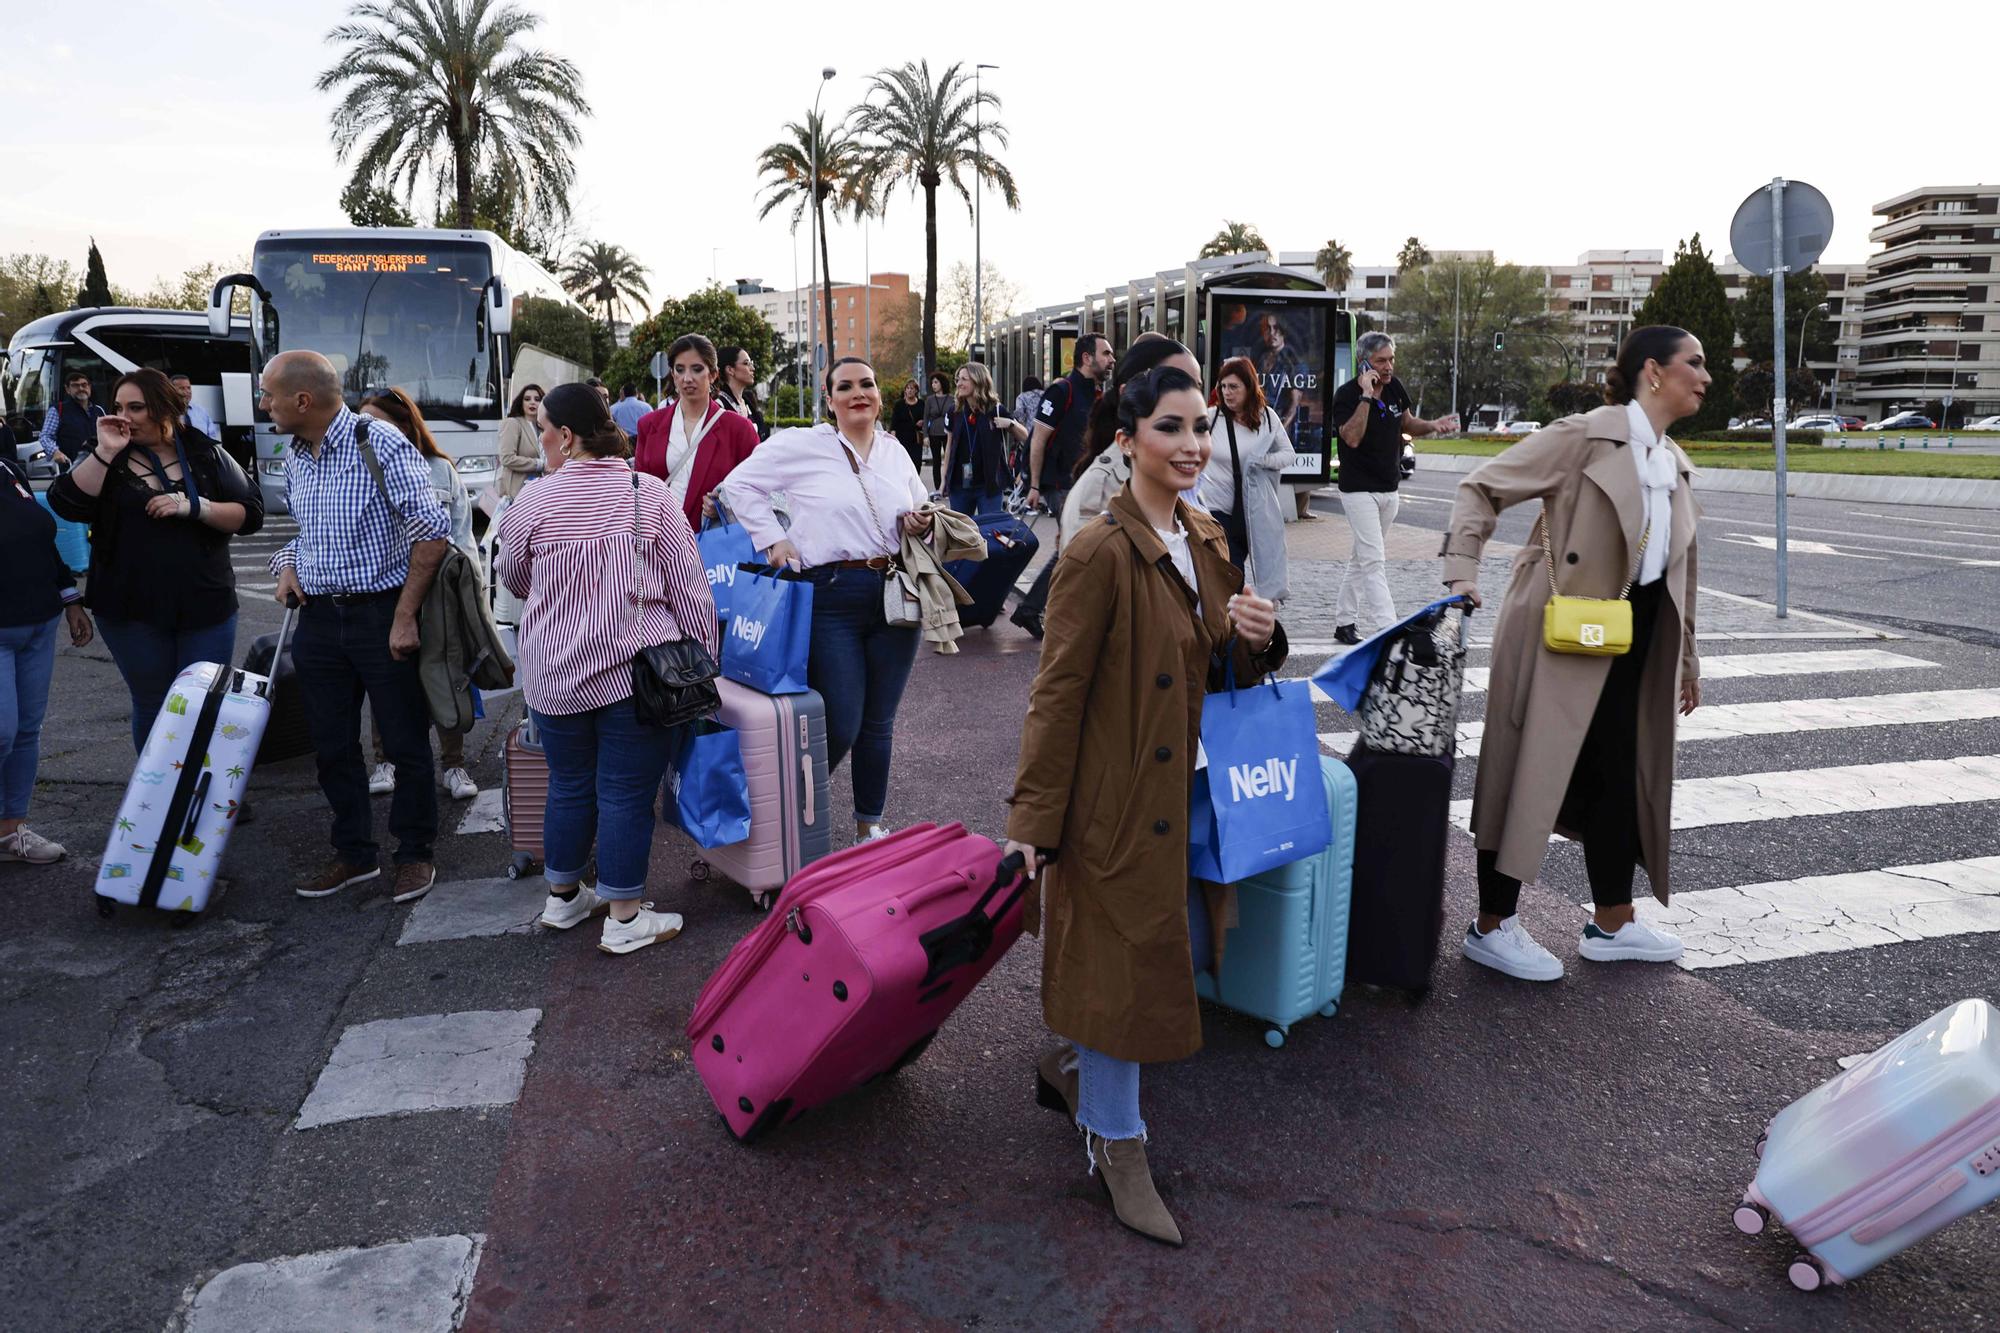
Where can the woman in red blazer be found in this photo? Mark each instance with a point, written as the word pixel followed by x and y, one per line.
pixel 693 442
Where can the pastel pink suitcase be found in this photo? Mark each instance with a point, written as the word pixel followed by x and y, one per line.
pixel 784 759
pixel 1897 1147
pixel 866 955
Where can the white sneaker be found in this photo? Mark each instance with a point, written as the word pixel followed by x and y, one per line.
pixel 560 915
pixel 460 784
pixel 1510 949
pixel 875 833
pixel 382 780
pixel 1635 941
pixel 26 845
pixel 646 928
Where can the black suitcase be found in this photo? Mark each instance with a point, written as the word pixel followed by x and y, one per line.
pixel 1401 825
pixel 1010 545
pixel 286 735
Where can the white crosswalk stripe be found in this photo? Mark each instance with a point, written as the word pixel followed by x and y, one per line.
pixel 1737 666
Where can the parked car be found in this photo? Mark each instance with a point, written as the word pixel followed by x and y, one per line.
pixel 1985 423
pixel 1520 427
pixel 1753 423
pixel 1407 464
pixel 1815 423
pixel 1850 423
pixel 1905 421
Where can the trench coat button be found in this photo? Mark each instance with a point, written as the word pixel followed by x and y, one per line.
pixel 1163 680
pixel 1163 754
pixel 1571 557
pixel 1160 826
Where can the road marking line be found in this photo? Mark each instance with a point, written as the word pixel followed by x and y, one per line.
pixel 420 1286
pixel 1862 631
pixel 484 815
pixel 1841 532
pixel 1927 522
pixel 432 1062
pixel 1801 547
pixel 1802 793
pixel 1739 666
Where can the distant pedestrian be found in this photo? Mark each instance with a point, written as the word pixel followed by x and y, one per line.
pixel 607 564
pixel 736 389
pixel 693 442
pixel 629 408
pixel 37 596
pixel 1055 451
pixel 853 495
pixel 603 390
pixel 906 423
pixel 361 565
pixel 1029 400
pixel 1575 744
pixel 197 416
pixel 1371 414
pixel 1250 446
pixel 1144 607
pixel 70 425
pixel 521 441
pixel 1106 469
pixel 397 409
pixel 162 502
pixel 937 425
pixel 976 473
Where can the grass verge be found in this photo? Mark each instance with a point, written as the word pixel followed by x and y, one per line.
pixel 1933 462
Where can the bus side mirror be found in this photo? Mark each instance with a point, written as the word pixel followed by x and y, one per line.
pixel 500 307
pixel 218 306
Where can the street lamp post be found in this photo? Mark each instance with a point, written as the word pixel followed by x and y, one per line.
pixel 812 199
pixel 1804 320
pixel 978 198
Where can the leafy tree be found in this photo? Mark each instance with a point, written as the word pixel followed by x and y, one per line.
pixel 1489 298
pixel 713 312
pixel 1756 388
pixel 1572 396
pixel 554 326
pixel 606 274
pixel 369 205
pixel 1235 238
pixel 787 167
pixel 998 298
pixel 31 286
pixel 920 133
pixel 1691 296
pixel 1803 294
pixel 441 89
pixel 96 288
pixel 1412 255
pixel 1335 265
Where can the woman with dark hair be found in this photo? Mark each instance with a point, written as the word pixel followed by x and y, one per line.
pixel 520 442
pixel 694 441
pixel 906 423
pixel 1144 616
pixel 736 389
pixel 937 425
pixel 607 566
pixel 396 408
pixel 980 428
pixel 853 495
pixel 1240 487
pixel 1581 744
pixel 162 503
pixel 1103 469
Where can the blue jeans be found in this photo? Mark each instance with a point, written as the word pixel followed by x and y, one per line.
pixel 341 654
pixel 974 501
pixel 150 657
pixel 860 664
pixel 1107 1090
pixel 27 661
pixel 605 770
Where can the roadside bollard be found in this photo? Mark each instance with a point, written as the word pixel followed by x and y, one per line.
pixel 1882 441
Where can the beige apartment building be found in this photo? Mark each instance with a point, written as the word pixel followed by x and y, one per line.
pixel 1930 305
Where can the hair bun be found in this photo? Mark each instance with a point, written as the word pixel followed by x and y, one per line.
pixel 1617 391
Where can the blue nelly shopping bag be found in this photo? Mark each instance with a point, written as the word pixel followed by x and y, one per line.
pixel 768 640
pixel 724 546
pixel 707 794
pixel 1261 801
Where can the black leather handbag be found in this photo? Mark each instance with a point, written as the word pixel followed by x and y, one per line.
pixel 673 683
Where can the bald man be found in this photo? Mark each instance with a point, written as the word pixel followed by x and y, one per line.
pixel 365 555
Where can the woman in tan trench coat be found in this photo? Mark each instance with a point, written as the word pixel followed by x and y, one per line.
pixel 1144 602
pixel 1584 746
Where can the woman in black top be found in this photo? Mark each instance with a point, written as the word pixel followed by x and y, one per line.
pixel 736 387
pixel 977 477
pixel 906 423
pixel 937 425
pixel 162 502
pixel 36 593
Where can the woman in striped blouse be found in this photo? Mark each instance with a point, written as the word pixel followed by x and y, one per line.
pixel 606 564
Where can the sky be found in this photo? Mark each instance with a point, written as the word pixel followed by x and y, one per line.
pixel 1537 130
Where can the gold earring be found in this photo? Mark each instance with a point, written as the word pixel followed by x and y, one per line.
pixel 1656 386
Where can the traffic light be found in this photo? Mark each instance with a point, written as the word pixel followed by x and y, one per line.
pixel 1499 341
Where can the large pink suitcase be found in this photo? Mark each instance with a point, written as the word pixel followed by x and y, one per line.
pixel 866 955
pixel 784 759
pixel 1887 1152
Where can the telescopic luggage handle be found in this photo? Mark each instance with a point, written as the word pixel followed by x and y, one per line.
pixel 966 940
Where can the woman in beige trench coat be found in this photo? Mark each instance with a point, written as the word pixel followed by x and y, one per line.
pixel 1143 603
pixel 1579 745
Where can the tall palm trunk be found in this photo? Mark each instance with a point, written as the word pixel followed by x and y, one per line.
pixel 826 278
pixel 461 161
pixel 930 279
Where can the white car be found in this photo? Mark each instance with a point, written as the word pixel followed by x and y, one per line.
pixel 1827 424
pixel 1985 423
pixel 1520 427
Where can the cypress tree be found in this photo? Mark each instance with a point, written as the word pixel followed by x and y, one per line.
pixel 1691 295
pixel 96 287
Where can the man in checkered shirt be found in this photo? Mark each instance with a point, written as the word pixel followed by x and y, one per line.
pixel 361 566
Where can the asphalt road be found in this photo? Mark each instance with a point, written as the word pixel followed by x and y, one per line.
pixel 1505 1154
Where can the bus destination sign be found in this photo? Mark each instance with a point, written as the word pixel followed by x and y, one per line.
pixel 371 263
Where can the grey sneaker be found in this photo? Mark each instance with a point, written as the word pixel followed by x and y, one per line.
pixel 30 848
pixel 382 780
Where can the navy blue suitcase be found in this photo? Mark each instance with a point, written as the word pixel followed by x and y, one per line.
pixel 1010 545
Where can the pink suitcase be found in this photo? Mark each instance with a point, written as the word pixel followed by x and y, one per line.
pixel 866 955
pixel 784 759
pixel 1874 1160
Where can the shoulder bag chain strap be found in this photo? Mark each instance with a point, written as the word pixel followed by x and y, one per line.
pixel 1549 555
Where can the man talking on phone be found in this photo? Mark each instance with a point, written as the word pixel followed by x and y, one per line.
pixel 1371 415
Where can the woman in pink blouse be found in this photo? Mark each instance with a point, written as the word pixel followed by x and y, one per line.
pixel 606 564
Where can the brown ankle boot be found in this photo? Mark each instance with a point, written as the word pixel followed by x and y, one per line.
pixel 1121 1164
pixel 1055 1086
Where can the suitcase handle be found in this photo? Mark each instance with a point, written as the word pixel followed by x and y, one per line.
pixel 966 940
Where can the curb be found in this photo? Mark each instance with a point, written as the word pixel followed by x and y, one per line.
pixel 1942 492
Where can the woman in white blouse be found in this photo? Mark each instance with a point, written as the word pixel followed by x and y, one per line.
pixel 1250 443
pixel 853 492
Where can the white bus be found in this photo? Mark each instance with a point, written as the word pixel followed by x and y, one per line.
pixel 428 311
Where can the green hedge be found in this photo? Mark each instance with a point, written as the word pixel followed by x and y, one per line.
pixel 1762 435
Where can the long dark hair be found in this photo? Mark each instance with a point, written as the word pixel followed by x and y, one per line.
pixel 725 358
pixel 1652 342
pixel 580 408
pixel 163 400
pixel 1147 351
pixel 517 410
pixel 404 415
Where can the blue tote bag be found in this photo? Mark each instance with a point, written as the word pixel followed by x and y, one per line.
pixel 724 547
pixel 707 795
pixel 768 640
pixel 1261 801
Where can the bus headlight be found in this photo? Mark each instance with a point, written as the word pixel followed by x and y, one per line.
pixel 479 463
pixel 271 467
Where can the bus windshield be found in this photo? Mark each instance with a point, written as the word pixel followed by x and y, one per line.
pixel 389 313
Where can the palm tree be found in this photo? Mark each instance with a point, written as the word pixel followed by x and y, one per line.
pixel 1412 255
pixel 925 135
pixel 1235 238
pixel 788 166
pixel 1335 265
pixel 606 274
pixel 439 88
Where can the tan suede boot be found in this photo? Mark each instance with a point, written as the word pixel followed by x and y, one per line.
pixel 1055 1084
pixel 1121 1164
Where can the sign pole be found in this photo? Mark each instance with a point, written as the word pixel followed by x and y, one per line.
pixel 1779 400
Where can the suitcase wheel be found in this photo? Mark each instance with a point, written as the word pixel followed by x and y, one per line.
pixel 181 920
pixel 1762 1139
pixel 106 907
pixel 1806 1273
pixel 1329 1009
pixel 1752 1218
pixel 1274 1037
pixel 521 864
pixel 762 901
pixel 698 870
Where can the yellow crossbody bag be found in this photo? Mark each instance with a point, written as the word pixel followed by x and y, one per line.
pixel 1587 626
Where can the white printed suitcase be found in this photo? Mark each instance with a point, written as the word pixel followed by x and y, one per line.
pixel 1872 1161
pixel 166 845
pixel 784 759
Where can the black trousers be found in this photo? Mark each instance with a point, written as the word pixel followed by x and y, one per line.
pixel 1238 533
pixel 1601 802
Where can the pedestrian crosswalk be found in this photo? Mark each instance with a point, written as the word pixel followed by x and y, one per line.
pixel 251 556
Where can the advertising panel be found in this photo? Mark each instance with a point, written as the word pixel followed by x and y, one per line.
pixel 1302 346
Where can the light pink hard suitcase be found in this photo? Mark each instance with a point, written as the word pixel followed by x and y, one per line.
pixel 866 955
pixel 784 760
pixel 1874 1160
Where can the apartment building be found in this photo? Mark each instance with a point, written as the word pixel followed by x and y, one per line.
pixel 1930 304
pixel 1843 313
pixel 856 307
